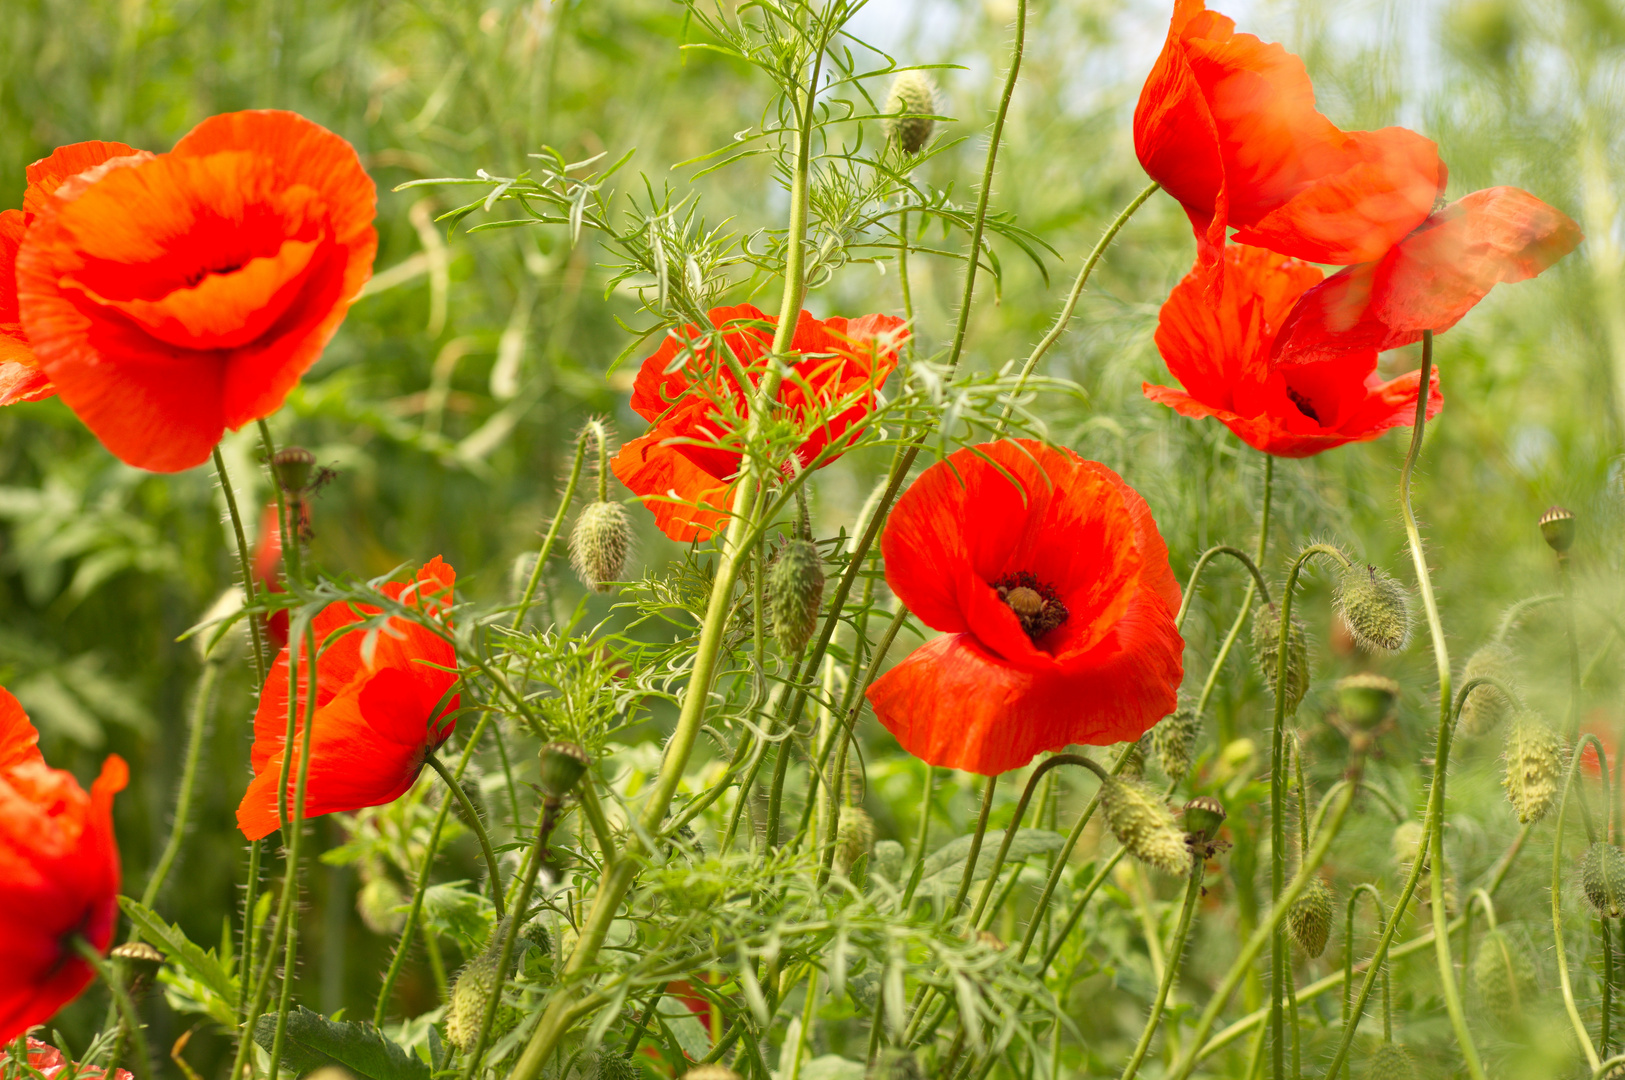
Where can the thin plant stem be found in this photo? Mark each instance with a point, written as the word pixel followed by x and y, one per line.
pixel 292 557
pixel 1039 773
pixel 555 526
pixel 477 825
pixel 1201 564
pixel 128 1017
pixel 1348 946
pixel 975 852
pixel 921 835
pixel 1566 577
pixel 1569 1005
pixel 245 561
pixel 196 729
pixel 1247 599
pixel 1170 971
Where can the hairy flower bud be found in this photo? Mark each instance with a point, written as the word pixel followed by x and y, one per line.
pixel 1390 1062
pixel 1485 706
pixel 1142 823
pixel 1557 527
pixel 613 1066
pixel 1502 977
pixel 1376 607
pixel 854 839
pixel 1309 919
pixel 1266 642
pixel 1203 816
pixel 1174 742
pixel 914 97
pixel 1533 767
pixel 1366 700
pixel 1134 759
pixel 1602 877
pixel 562 766
pixel 795 589
pixel 470 994
pixel 600 543
pixel 895 1063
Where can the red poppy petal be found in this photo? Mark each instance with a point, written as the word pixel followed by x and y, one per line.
pixel 48 174
pixel 663 475
pixel 927 564
pixel 19 742
pixel 1175 136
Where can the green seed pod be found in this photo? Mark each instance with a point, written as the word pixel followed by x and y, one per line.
pixel 600 543
pixel 562 766
pixel 1485 706
pixel 1602 876
pixel 1502 977
pixel 854 840
pixel 1309 920
pixel 1266 638
pixel 913 95
pixel 141 961
pixel 1391 1062
pixel 292 466
pixel 470 994
pixel 1366 700
pixel 1142 823
pixel 613 1066
pixel 1376 607
pixel 1174 742
pixel 1203 817
pixel 1533 767
pixel 795 589
pixel 1557 528
pixel 895 1063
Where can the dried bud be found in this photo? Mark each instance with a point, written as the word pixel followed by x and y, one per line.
pixel 895 1063
pixel 1143 824
pixel 1557 526
pixel 1533 766
pixel 600 543
pixel 379 901
pixel 1485 706
pixel 1502 977
pixel 1266 639
pixel 1366 700
pixel 1376 607
pixel 1602 876
pixel 292 466
pixel 795 589
pixel 562 766
pixel 1391 1062
pixel 712 1071
pixel 910 104
pixel 1309 919
pixel 1174 742
pixel 854 840
pixel 1203 816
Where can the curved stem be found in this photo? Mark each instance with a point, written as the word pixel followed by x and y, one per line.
pixel 1170 971
pixel 1569 1005
pixel 975 855
pixel 245 561
pixel 921 836
pixel 1201 564
pixel 477 825
pixel 1348 945
pixel 1021 811
pixel 1247 599
pixel 1516 611
pixel 198 725
pixel 130 1019
pixel 555 526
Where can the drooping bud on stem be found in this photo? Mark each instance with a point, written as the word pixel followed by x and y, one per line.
pixel 470 994
pixel 1602 876
pixel 912 100
pixel 1486 706
pixel 1309 919
pixel 795 591
pixel 1174 742
pixel 1533 767
pixel 1557 527
pixel 1365 701
pixel 1143 824
pixel 1376 608
pixel 600 543
pixel 1266 651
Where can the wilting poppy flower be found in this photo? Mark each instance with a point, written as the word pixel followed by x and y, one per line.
pixel 20 376
pixel 171 297
pixel 378 716
pixel 1051 584
pixel 48 1061
pixel 59 874
pixel 1430 279
pixel 1215 333
pixel 1227 124
pixel 687 463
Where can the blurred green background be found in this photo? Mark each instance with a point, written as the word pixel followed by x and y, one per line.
pixel 447 402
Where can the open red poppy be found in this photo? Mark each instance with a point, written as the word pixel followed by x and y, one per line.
pixel 377 717
pixel 1051 584
pixel 1215 332
pixel 685 466
pixel 172 297
pixel 1227 124
pixel 1430 279
pixel 59 874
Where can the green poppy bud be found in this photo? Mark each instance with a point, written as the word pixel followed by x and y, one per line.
pixel 379 901
pixel 854 840
pixel 1203 817
pixel 1142 823
pixel 910 104
pixel 1366 700
pixel 1485 706
pixel 1533 767
pixel 1391 1062
pixel 1502 977
pixel 1309 919
pixel 795 589
pixel 1376 607
pixel 562 766
pixel 1557 527
pixel 1602 876
pixel 1174 742
pixel 470 994
pixel 613 1066
pixel 1266 642
pixel 1403 844
pixel 600 543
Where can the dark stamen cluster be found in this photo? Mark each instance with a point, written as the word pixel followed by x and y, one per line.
pixel 1034 603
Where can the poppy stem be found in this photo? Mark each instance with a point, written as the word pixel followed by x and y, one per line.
pixel 554 528
pixel 288 529
pixel 1348 946
pixel 1246 602
pixel 1021 812
pixel 130 1019
pixel 183 800
pixel 1201 564
pixel 1170 971
pixel 477 825
pixel 245 561
pixel 1573 1010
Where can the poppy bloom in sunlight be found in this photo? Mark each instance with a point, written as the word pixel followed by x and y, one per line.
pixel 20 376
pixel 59 874
pixel 1227 124
pixel 1430 279
pixel 686 465
pixel 1215 333
pixel 381 708
pixel 170 297
pixel 1051 584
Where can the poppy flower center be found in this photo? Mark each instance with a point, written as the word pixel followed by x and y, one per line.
pixel 1034 603
pixel 1303 403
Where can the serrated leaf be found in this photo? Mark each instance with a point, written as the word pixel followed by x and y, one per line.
pixel 201 963
pixel 312 1040
pixel 947 862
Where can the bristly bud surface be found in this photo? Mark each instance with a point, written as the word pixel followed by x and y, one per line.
pixel 1502 977
pixel 1376 608
pixel 915 96
pixel 1485 706
pixel 1391 1062
pixel 1557 527
pixel 1143 824
pixel 1533 767
pixel 292 466
pixel 470 994
pixel 1602 877
pixel 562 766
pixel 1366 700
pixel 600 543
pixel 895 1063
pixel 1174 742
pixel 1266 643
pixel 1309 920
pixel 795 591
pixel 854 839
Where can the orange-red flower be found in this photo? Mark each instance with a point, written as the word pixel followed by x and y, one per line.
pixel 171 297
pixel 1430 279
pixel 48 1061
pixel 1227 124
pixel 59 874
pixel 381 708
pixel 687 463
pixel 20 376
pixel 1051 584
pixel 1215 332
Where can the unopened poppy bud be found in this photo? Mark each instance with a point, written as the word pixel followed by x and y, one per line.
pixel 1533 767
pixel 1266 650
pixel 1309 919
pixel 1366 700
pixel 292 466
pixel 910 104
pixel 711 1071
pixel 1486 706
pixel 1203 817
pixel 795 590
pixel 1376 607
pixel 379 902
pixel 470 995
pixel 1142 823
pixel 613 1066
pixel 141 960
pixel 600 543
pixel 1502 977
pixel 1557 526
pixel 1391 1062
pixel 1602 876
pixel 1174 742
pixel 895 1063
pixel 854 839
pixel 562 766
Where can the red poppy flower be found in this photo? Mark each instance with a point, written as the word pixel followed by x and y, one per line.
pixel 1227 124
pixel 378 716
pixel 1430 279
pixel 20 376
pixel 59 874
pixel 1051 584
pixel 268 572
pixel 1215 333
pixel 172 297
pixel 686 465
pixel 48 1061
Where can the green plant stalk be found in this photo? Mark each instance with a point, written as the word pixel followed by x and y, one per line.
pixel 1039 773
pixel 1201 564
pixel 921 835
pixel 1170 971
pixel 1569 1005
pixel 290 889
pixel 477 825
pixel 128 1017
pixel 553 529
pixel 250 887
pixel 292 557
pixel 1348 946
pixel 1566 576
pixel 904 287
pixel 1246 601
pixel 245 560
pixel 183 799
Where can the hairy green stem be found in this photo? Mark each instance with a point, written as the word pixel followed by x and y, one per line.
pixel 1348 946
pixel 198 725
pixel 1569 1005
pixel 294 829
pixel 474 823
pixel 1039 773
pixel 1170 971
pixel 130 1019
pixel 1201 564
pixel 556 525
pixel 1246 601
pixel 245 560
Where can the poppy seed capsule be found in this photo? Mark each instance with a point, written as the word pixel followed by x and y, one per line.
pixel 562 766
pixel 600 543
pixel 854 839
pixel 1266 642
pixel 1485 706
pixel 1203 817
pixel 914 97
pixel 1309 919
pixel 1174 742
pixel 1366 700
pixel 141 960
pixel 1501 977
pixel 1533 767
pixel 1391 1062
pixel 292 466
pixel 1602 877
pixel 1142 823
pixel 1376 607
pixel 795 590
pixel 1557 527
